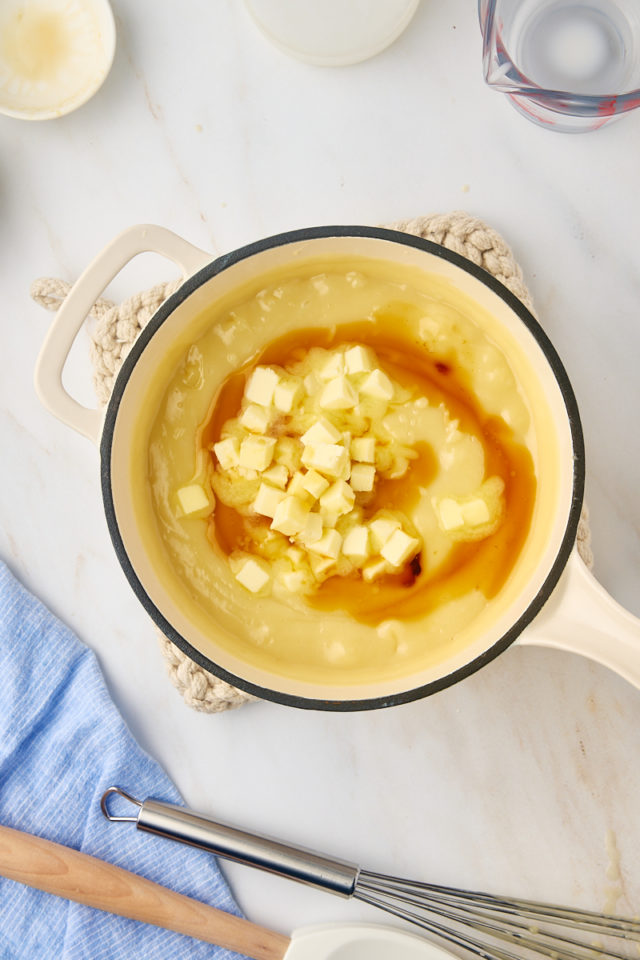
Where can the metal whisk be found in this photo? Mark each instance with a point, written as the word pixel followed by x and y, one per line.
pixel 481 923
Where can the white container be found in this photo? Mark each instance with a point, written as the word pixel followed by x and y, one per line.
pixel 333 33
pixel 54 55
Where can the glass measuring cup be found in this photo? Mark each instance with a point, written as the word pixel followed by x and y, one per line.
pixel 568 65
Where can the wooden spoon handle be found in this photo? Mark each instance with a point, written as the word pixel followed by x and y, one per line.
pixel 77 876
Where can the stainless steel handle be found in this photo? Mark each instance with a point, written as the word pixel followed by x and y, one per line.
pixel 273 856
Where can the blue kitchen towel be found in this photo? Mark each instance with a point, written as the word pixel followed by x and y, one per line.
pixel 62 742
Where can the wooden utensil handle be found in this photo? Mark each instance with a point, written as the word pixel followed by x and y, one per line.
pixel 77 876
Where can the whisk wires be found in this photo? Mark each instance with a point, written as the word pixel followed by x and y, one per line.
pixel 486 925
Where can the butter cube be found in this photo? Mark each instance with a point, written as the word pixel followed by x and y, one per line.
pixel 356 543
pixel 290 516
pixel 450 514
pixel 312 529
pixel 256 418
pixel 193 499
pixel 328 545
pixel 363 449
pixel 374 568
pixel 287 453
pixel 399 547
pixel 377 385
pixel 261 385
pixel 339 498
pixel 267 500
pixel 381 530
pixel 338 394
pixel 331 459
pixel 296 487
pixel 294 581
pixel 256 453
pixel 310 384
pixel 332 367
pixel 320 566
pixel 277 475
pixel 285 395
pixel 252 575
pixel 329 518
pixel 476 512
pixel 295 554
pixel 314 483
pixel 228 452
pixel 363 476
pixel 321 432
pixel 359 360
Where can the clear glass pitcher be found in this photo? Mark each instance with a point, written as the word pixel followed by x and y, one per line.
pixel 568 65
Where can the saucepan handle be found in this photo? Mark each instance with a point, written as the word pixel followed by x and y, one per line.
pixel 581 617
pixel 144 238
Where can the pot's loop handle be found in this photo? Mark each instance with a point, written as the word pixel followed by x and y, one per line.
pixel 144 238
pixel 581 617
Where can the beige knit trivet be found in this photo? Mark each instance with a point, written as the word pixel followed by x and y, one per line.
pixel 118 325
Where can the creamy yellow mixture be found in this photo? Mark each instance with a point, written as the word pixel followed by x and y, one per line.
pixel 445 452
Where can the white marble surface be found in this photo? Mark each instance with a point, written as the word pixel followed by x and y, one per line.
pixel 523 778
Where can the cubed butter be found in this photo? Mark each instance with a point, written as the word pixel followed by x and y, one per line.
pixel 381 530
pixel 399 547
pixel 193 499
pixel 322 431
pixel 256 453
pixel 311 384
pixel 476 512
pixel 359 359
pixel 363 449
pixel 287 453
pixel 293 580
pixel 277 475
pixel 339 498
pixel 356 543
pixel 331 366
pixel 290 517
pixel 285 394
pixel 374 569
pixel 261 386
pixel 227 452
pixel 363 476
pixel 450 514
pixel 296 487
pixel 377 385
pixel 267 500
pixel 312 529
pixel 320 566
pixel 256 418
pixel 328 545
pixel 252 575
pixel 314 483
pixel 338 394
pixel 330 459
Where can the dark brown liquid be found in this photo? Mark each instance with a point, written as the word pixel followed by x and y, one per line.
pixel 483 565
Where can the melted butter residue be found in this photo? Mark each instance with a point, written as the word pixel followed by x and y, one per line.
pixel 36 43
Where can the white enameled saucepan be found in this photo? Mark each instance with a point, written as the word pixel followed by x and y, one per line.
pixel 552 599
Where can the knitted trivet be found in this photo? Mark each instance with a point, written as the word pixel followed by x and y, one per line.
pixel 118 325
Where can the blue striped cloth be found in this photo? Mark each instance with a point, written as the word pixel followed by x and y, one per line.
pixel 62 742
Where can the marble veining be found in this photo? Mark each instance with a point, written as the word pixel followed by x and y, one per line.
pixel 522 779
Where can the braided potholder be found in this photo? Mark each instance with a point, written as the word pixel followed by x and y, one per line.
pixel 118 325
